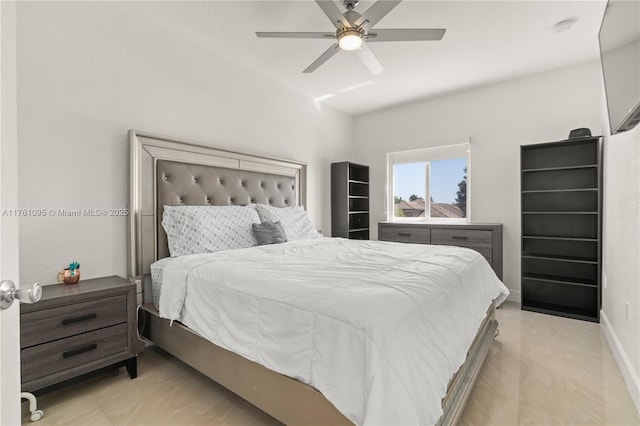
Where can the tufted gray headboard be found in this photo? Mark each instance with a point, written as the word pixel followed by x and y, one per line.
pixel 168 171
pixel 187 184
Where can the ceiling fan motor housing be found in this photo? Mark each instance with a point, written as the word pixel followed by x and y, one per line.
pixel 351 16
pixel 359 32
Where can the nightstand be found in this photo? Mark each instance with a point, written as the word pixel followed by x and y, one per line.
pixel 78 328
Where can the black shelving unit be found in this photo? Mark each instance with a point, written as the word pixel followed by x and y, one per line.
pixel 561 204
pixel 350 200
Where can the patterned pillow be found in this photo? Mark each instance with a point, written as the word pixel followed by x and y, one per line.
pixel 294 220
pixel 206 229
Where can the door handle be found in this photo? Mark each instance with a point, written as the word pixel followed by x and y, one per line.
pixel 9 293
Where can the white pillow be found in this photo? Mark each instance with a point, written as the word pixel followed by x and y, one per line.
pixel 206 229
pixel 294 220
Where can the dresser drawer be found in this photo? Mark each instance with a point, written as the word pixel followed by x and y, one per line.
pixel 42 360
pixel 480 241
pixel 405 234
pixel 64 321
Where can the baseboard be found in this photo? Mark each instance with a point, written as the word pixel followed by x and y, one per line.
pixel 628 373
pixel 514 296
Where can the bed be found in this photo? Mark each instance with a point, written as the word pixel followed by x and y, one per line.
pixel 170 172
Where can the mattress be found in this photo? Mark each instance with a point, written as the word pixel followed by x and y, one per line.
pixel 379 328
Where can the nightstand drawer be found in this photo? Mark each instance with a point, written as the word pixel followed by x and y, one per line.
pixel 405 234
pixel 59 355
pixel 64 321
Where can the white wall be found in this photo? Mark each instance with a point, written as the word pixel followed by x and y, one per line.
pixel 89 72
pixel 621 254
pixel 498 118
pixel 621 67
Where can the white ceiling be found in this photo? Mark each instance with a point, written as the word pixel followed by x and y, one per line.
pixel 486 42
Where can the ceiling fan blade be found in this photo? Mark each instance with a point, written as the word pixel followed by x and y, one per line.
pixel 408 34
pixel 369 59
pixel 323 58
pixel 376 12
pixel 276 34
pixel 333 13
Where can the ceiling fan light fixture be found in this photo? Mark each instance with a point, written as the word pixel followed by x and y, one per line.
pixel 355 30
pixel 350 40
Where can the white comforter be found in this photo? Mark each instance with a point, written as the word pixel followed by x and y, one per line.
pixel 379 328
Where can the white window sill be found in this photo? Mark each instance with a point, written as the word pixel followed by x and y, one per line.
pixel 432 221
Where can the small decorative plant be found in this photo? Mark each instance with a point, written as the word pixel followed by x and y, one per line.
pixel 70 275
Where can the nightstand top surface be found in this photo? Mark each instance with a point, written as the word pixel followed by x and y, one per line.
pixel 84 289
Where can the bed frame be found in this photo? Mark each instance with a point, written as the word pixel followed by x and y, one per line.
pixel 168 171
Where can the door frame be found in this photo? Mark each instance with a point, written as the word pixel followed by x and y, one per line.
pixel 9 270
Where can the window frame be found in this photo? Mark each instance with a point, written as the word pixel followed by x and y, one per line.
pixel 458 149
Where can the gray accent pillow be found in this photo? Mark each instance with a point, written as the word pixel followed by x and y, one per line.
pixel 269 233
pixel 295 221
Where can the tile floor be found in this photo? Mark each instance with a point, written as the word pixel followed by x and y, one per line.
pixel 542 370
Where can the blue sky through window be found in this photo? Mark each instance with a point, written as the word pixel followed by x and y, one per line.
pixel 409 178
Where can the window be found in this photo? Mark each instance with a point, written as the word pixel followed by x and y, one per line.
pixel 429 184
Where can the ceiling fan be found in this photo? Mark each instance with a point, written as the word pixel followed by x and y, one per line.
pixel 354 30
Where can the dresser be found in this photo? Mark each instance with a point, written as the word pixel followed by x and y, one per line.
pixel 485 238
pixel 78 328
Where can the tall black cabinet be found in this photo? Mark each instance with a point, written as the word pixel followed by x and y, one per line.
pixel 350 200
pixel 562 227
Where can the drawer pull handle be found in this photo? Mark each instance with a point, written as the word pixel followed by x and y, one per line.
pixel 79 351
pixel 81 318
pixel 456 237
pixel 404 234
